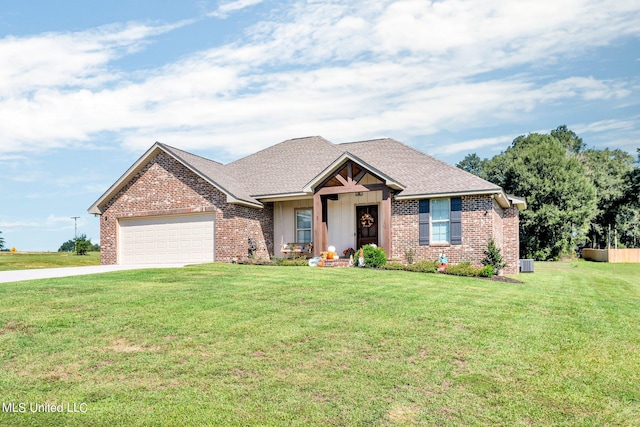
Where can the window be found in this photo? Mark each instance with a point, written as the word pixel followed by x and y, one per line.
pixel 440 221
pixel 304 231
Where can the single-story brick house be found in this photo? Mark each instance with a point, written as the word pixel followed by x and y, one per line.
pixel 174 206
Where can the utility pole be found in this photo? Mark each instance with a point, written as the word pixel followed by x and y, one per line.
pixel 75 226
pixel 75 232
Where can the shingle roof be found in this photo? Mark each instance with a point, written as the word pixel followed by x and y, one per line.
pixel 285 167
pixel 215 172
pixel 290 166
pixel 420 173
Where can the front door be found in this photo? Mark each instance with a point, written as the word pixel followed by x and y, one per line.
pixel 367 225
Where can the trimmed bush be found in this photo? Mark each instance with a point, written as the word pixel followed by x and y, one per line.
pixel 487 271
pixel 419 267
pixel 467 270
pixel 423 266
pixel 374 257
pixel 292 262
pixel 394 266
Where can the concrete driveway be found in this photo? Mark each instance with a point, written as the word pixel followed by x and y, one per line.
pixel 48 273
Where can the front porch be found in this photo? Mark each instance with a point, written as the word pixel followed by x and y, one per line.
pixel 350 207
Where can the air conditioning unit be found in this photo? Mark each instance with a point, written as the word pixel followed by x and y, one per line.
pixel 526 266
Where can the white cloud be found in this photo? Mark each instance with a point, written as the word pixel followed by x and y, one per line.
pixel 604 126
pixel 342 69
pixel 69 60
pixel 233 6
pixel 475 144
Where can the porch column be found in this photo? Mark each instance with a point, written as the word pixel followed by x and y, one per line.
pixel 320 230
pixel 386 222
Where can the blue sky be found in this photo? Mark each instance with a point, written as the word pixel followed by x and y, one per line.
pixel 87 87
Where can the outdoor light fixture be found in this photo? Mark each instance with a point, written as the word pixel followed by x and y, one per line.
pixel 359 194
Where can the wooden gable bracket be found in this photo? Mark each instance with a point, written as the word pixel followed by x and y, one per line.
pixel 338 184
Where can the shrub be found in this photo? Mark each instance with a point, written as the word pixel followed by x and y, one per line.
pixel 409 254
pixel 256 261
pixel 487 271
pixel 394 266
pixel 464 269
pixel 374 257
pixel 423 266
pixel 493 257
pixel 292 262
pixel 419 267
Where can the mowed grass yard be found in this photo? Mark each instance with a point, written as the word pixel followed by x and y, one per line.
pixel 33 260
pixel 249 345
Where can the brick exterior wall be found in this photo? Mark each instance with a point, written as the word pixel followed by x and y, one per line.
pixel 482 218
pixel 511 240
pixel 166 187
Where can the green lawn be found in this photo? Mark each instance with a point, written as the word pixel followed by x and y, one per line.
pixel 24 261
pixel 252 345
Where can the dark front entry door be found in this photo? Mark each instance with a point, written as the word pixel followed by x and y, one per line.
pixel 367 225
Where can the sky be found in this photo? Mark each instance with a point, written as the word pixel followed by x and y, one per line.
pixel 87 87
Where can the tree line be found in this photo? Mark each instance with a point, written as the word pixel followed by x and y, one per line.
pixel 576 196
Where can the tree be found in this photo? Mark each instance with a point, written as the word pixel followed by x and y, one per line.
pixel 473 164
pixel 628 217
pixel 1 242
pixel 493 257
pixel 609 170
pixel 572 142
pixel 573 194
pixel 82 245
pixel 68 246
pixel 561 199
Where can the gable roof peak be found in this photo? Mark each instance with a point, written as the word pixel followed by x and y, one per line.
pixel 173 150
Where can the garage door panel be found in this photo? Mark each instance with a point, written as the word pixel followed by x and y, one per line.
pixel 169 239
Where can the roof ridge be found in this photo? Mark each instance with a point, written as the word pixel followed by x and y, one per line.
pixel 366 140
pixel 318 137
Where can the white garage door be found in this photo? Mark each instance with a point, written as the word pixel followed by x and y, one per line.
pixel 167 239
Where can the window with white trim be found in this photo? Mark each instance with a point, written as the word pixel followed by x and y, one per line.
pixel 440 220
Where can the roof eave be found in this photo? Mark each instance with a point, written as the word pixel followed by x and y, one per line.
pixel 519 202
pixel 504 200
pixel 415 196
pixel 281 197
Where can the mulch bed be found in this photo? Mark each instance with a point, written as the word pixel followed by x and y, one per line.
pixel 503 279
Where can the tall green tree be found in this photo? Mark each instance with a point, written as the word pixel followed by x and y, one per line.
pixel 572 142
pixel 628 217
pixel 474 164
pixel 609 170
pixel 1 241
pixel 68 246
pixel 561 199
